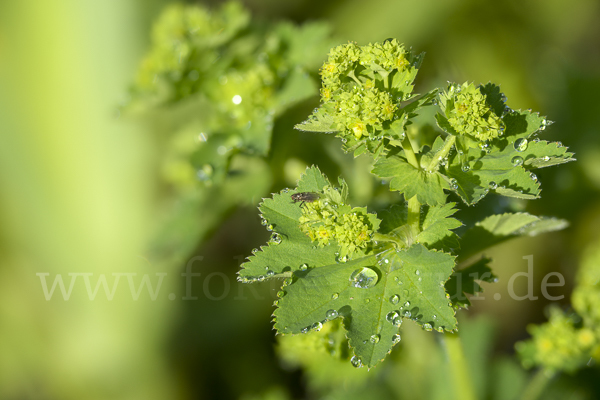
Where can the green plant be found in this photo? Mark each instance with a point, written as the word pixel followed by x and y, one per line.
pixel 372 271
pixel 351 275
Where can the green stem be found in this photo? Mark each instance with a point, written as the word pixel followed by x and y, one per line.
pixel 442 153
pixel 463 387
pixel 414 215
pixel 537 384
pixel 409 152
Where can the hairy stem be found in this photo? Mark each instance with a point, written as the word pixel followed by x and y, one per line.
pixel 441 154
pixel 463 387
pixel 537 384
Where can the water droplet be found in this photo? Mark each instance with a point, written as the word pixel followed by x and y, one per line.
pixel 287 281
pixel 417 272
pixel 304 330
pixel 546 158
pixel 521 144
pixel 397 321
pixel 391 316
pixel 419 279
pixel 280 294
pixel 270 228
pixel 493 185
pixel 335 296
pixel 342 259
pixel 367 301
pixel 331 314
pixel 427 327
pixel 453 184
pixel 466 168
pixel 275 238
pixel 407 313
pixel 374 339
pixel 261 278
pixel 356 362
pixel 434 316
pixel 517 161
pixel 270 273
pixel 394 299
pixel 317 326
pixel 396 338
pixel 363 278
pixel 407 304
pixel 533 177
pixel 303 267
pixel 405 293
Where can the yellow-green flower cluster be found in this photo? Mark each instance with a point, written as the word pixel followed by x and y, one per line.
pixel 324 222
pixel 469 113
pixel 358 85
pixel 558 345
pixel 388 55
pixel 362 107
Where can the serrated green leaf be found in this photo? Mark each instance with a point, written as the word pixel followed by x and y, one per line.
pixel 522 124
pixel 410 284
pixel 491 171
pixel 462 282
pixel 293 248
pixel 320 121
pixel 501 227
pixel 410 181
pixel 541 154
pixel 493 97
pixel 437 228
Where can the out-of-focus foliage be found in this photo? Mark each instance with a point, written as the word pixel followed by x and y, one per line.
pixel 569 340
pixel 222 78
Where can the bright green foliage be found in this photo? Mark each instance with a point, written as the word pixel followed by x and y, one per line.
pixel 372 287
pixel 372 271
pixel 469 113
pixel 412 181
pixel 435 230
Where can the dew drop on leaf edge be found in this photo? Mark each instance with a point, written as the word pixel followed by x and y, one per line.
pixel 356 362
pixel 331 314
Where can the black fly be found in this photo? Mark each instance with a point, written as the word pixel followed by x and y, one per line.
pixel 305 197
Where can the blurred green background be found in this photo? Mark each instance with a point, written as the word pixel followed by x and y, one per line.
pixel 81 194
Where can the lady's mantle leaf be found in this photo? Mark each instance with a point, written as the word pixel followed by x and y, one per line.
pixel 371 294
pixel 501 227
pixel 410 181
pixel 289 249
